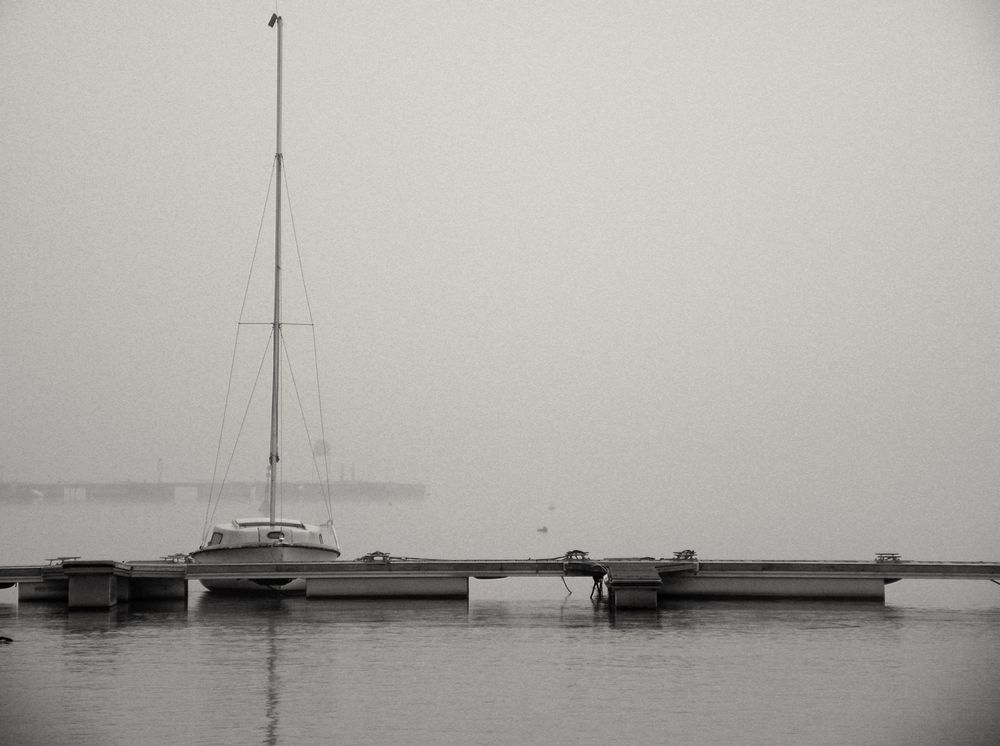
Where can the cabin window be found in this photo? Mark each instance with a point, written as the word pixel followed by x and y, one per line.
pixel 275 534
pixel 216 538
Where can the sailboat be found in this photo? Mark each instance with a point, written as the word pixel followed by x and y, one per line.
pixel 270 539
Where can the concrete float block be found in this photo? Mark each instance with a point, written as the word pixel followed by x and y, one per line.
pixel 92 591
pixel 92 584
pixel 147 589
pixel 632 584
pixel 46 590
pixel 633 597
pixel 774 586
pixel 388 587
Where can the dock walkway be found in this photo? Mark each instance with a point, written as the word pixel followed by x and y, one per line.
pixel 631 582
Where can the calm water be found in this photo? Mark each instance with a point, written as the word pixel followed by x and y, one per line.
pixel 521 662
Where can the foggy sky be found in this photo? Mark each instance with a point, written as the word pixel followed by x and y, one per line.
pixel 726 268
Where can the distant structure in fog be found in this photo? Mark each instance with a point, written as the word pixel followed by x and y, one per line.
pixel 195 491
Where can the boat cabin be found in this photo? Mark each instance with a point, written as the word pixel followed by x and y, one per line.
pixel 244 531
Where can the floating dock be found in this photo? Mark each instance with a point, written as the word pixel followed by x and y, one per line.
pixel 630 582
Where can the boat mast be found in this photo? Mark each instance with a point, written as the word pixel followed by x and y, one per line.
pixel 272 469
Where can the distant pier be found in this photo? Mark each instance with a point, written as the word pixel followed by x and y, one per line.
pixel 186 492
pixel 630 583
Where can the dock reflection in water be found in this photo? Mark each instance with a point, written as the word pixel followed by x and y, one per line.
pixel 498 670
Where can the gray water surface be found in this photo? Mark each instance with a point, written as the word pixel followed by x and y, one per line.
pixel 521 662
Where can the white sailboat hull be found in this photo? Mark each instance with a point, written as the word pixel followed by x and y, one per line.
pixel 259 541
pixel 272 554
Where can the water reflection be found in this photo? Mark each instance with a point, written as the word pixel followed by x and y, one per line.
pixel 271 710
pixel 283 670
pixel 326 610
pixel 294 639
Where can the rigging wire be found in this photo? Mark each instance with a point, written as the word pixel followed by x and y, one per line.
pixel 295 241
pixel 327 496
pixel 209 511
pixel 239 433
pixel 217 485
pixel 323 478
pixel 305 427
pixel 260 230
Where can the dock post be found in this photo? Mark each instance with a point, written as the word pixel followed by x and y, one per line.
pixel 92 584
